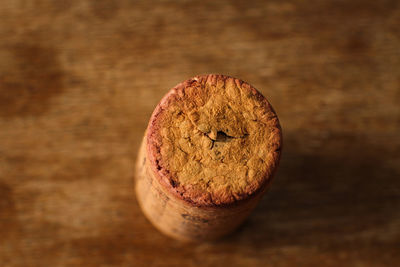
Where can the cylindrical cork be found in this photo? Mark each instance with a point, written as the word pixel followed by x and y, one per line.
pixel 209 153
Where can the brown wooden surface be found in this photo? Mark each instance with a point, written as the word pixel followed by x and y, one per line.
pixel 79 80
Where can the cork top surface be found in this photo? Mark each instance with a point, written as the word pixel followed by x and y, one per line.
pixel 214 140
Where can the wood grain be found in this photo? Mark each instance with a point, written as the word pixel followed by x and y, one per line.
pixel 79 80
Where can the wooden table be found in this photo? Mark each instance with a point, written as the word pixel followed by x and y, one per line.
pixel 79 80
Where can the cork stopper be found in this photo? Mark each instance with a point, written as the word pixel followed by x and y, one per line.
pixel 213 140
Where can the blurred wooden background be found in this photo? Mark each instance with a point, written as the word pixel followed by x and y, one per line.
pixel 79 80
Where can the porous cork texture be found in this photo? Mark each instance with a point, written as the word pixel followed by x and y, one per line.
pixel 212 144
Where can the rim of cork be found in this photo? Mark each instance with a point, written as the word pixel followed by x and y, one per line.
pixel 163 175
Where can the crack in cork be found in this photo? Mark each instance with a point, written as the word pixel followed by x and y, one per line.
pixel 222 137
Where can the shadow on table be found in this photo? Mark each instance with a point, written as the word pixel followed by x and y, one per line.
pixel 330 198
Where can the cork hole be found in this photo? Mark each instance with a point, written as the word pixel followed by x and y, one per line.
pixel 223 137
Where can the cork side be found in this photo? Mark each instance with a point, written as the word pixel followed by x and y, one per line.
pixel 214 140
pixel 178 219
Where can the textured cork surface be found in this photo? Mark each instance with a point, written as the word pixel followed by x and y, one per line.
pixel 79 81
pixel 214 140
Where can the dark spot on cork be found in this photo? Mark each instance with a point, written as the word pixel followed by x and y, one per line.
pixel 144 161
pixel 158 165
pixel 173 183
pixel 194 218
pixel 223 137
pixel 30 77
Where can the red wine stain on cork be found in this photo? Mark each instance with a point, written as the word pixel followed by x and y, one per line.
pixel 30 76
